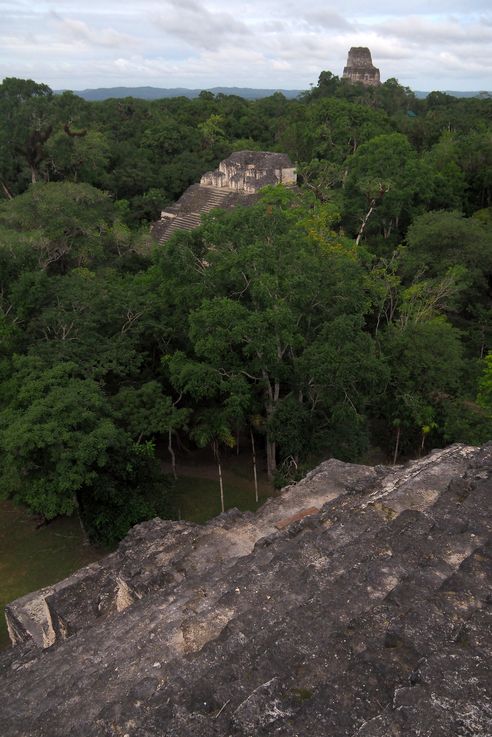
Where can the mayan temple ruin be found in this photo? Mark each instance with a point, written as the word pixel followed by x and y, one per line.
pixel 360 68
pixel 237 181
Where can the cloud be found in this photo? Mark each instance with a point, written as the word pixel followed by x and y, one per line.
pixel 449 31
pixel 82 32
pixel 327 19
pixel 273 43
pixel 197 26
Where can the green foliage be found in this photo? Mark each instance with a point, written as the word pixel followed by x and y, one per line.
pixel 145 412
pixel 57 433
pixel 383 175
pixel 485 386
pixel 131 490
pixel 467 422
pixel 269 318
pixel 26 124
pixel 439 240
pixel 68 223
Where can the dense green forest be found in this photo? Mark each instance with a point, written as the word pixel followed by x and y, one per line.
pixel 353 312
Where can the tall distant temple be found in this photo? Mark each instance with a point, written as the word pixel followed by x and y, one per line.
pixel 360 67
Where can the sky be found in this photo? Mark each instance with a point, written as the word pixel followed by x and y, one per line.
pixel 79 44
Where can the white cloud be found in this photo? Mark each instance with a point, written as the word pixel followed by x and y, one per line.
pixel 421 31
pixel 274 43
pixel 327 19
pixel 82 32
pixel 197 26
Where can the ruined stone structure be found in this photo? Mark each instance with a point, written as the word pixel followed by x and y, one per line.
pixel 236 182
pixel 356 604
pixel 249 171
pixel 360 67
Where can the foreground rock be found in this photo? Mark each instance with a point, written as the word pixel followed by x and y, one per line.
pixel 368 617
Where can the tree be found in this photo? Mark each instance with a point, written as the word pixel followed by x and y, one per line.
pixel 440 242
pixel 382 186
pixel 394 98
pixel 69 222
pixel 485 386
pixel 26 124
pixel 216 405
pixel 145 412
pixel 268 290
pixel 336 128
pixel 57 436
pixel 82 156
pixel 448 185
pixel 63 452
pixel 425 361
pixel 327 86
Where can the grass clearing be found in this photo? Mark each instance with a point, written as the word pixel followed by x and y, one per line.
pixel 197 499
pixel 31 558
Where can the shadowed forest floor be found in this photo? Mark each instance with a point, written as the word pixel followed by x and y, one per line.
pixel 197 492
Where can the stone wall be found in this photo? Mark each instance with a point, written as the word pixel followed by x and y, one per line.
pixel 249 171
pixel 360 68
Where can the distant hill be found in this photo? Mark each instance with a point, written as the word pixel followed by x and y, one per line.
pixel 156 93
pixel 454 93
pixel 249 93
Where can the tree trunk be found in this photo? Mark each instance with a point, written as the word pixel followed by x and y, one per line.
pixel 253 451
pixel 271 452
pixel 171 451
pixel 8 194
pixel 364 221
pixel 271 449
pixel 219 467
pixel 397 444
pixel 85 536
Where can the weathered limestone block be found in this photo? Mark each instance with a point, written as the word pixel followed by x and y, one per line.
pixel 368 617
pixel 249 171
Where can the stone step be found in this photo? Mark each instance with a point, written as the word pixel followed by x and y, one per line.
pixel 197 200
pixel 354 613
pixel 191 219
pixel 358 655
pixel 181 222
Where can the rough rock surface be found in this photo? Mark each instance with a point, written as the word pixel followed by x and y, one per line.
pixel 369 617
pixel 360 68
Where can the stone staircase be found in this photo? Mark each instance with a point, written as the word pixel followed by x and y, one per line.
pixel 367 616
pixel 188 214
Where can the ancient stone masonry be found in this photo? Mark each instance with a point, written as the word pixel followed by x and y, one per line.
pixel 360 67
pixel 356 604
pixel 237 181
pixel 249 171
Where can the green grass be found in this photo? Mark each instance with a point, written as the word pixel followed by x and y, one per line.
pixel 31 558
pixel 198 500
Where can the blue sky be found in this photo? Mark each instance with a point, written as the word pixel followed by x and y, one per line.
pixel 270 43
